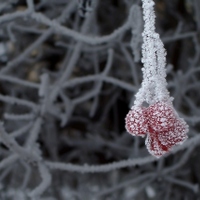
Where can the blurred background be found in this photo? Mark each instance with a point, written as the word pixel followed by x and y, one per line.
pixel 69 70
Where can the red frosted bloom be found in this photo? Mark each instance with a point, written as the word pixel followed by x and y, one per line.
pixel 161 116
pixel 161 123
pixel 136 121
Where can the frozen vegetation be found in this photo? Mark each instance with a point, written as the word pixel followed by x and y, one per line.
pixel 69 72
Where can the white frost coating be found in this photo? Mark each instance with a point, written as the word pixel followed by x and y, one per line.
pixel 154 59
pixel 46 181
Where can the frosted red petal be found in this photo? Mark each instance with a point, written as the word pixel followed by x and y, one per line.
pixel 159 143
pixel 136 121
pixel 154 146
pixel 161 116
pixel 176 135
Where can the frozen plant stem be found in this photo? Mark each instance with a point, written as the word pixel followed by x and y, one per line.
pixel 161 123
pixel 154 60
